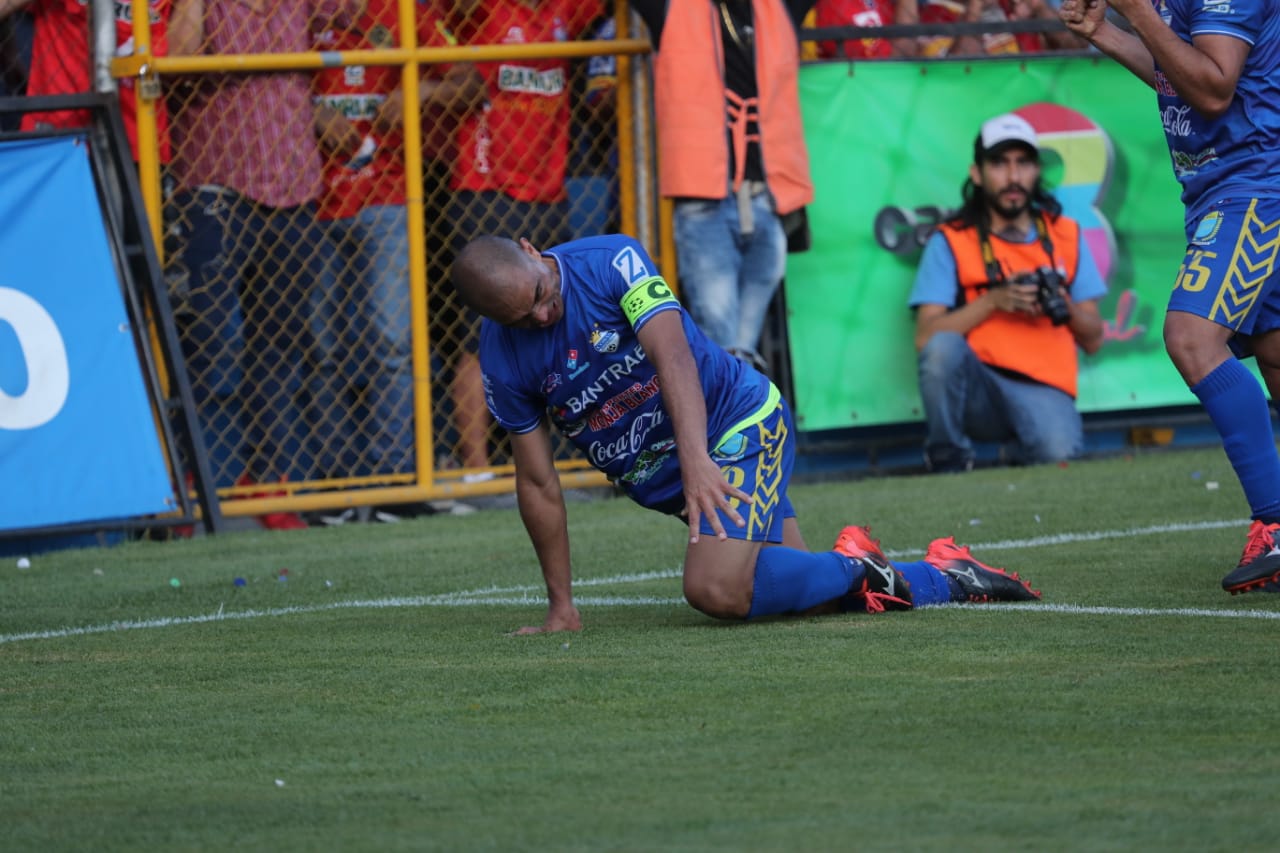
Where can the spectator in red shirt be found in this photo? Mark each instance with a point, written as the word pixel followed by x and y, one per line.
pixel 866 13
pixel 61 62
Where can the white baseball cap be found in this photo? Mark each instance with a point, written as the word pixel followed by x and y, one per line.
pixel 1005 129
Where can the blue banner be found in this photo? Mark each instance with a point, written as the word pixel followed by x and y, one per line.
pixel 78 441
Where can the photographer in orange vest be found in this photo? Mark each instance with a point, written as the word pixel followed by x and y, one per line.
pixel 1005 294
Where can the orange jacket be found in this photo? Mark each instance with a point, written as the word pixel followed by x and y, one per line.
pixel 690 96
pixel 1032 346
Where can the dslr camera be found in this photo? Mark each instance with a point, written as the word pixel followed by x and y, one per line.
pixel 1048 281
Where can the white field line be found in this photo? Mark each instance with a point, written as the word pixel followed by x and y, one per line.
pixel 532 594
pixel 1087 536
pixel 1080 609
pixel 450 600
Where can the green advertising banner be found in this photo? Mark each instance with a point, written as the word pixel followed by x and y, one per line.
pixel 890 144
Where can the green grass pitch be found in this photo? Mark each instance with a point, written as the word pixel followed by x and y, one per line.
pixel 373 699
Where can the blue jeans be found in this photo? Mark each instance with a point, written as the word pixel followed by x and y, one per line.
pixel 360 318
pixel 239 275
pixel 965 400
pixel 727 279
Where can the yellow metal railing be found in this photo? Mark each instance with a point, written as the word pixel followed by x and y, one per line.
pixel 427 481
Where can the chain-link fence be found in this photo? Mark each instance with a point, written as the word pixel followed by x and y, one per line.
pixel 311 167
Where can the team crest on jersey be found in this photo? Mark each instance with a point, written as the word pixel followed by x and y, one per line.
pixel 353 75
pixel 604 340
pixel 559 31
pixel 515 35
pixel 1207 230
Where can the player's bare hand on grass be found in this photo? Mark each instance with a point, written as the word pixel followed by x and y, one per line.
pixel 566 620
pixel 705 491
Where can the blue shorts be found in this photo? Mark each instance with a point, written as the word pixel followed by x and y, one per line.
pixel 758 460
pixel 1229 274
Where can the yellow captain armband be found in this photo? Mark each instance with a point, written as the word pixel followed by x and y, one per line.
pixel 644 296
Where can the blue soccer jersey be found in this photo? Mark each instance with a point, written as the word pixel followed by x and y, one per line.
pixel 589 374
pixel 1239 153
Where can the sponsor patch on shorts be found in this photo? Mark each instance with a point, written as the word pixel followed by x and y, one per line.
pixel 1207 230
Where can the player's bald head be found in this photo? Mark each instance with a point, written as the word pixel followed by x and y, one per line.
pixel 483 268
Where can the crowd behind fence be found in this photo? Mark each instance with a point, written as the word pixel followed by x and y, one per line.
pixel 310 167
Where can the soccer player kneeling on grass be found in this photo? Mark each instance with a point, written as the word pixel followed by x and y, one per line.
pixel 588 336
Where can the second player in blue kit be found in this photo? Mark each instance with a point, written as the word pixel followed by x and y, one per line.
pixel 1215 68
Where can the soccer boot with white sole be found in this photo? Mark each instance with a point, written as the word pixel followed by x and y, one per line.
pixel 883 587
pixel 979 582
pixel 1259 567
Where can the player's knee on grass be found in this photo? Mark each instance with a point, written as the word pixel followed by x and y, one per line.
pixel 717 597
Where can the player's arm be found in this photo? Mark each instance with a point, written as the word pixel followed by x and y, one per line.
pixel 705 488
pixel 1087 19
pixel 1058 40
pixel 543 512
pixel 1203 73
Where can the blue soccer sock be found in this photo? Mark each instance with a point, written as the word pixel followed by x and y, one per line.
pixel 1238 408
pixel 928 585
pixel 790 581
